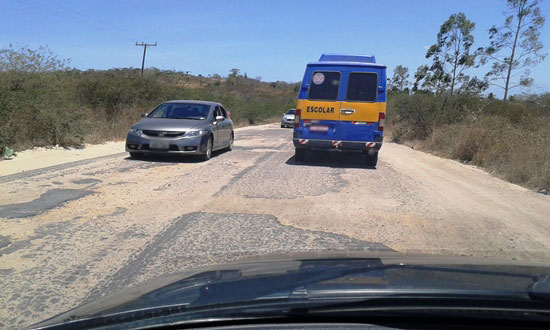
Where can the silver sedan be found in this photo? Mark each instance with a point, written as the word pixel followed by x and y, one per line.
pixel 182 127
pixel 288 118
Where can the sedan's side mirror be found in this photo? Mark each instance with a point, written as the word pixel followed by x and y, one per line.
pixel 143 115
pixel 220 118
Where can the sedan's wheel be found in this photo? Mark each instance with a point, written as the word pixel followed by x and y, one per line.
pixel 208 154
pixel 136 155
pixel 231 140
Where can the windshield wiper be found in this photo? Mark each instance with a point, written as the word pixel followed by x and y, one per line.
pixel 540 289
pixel 253 288
pixel 238 296
pixel 230 286
pixel 230 289
pixel 421 304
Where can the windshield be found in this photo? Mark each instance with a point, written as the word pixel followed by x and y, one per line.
pixel 142 140
pixel 181 111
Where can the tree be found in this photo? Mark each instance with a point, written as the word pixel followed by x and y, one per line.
pixel 234 73
pixel 431 78
pixel 474 86
pixel 400 79
pixel 29 60
pixel 419 75
pixel 515 46
pixel 451 53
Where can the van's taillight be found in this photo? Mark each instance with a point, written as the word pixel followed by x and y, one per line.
pixel 297 118
pixel 381 121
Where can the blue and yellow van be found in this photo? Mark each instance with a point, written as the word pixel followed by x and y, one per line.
pixel 341 106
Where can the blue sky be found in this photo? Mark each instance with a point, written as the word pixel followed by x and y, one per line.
pixel 270 39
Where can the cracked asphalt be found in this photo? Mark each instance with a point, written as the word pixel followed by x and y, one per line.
pixel 74 232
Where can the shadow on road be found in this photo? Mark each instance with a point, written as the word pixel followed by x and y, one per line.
pixel 332 159
pixel 173 158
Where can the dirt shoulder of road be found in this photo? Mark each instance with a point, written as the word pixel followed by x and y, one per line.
pixel 43 157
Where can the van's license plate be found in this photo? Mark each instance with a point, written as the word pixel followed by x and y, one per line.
pixel 318 128
pixel 159 145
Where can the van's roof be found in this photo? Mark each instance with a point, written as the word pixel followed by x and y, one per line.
pixel 347 60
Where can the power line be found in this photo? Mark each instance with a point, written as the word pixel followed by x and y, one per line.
pixel 144 45
pixel 75 16
pixel 62 15
pixel 113 27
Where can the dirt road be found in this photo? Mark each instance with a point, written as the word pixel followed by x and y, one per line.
pixel 71 233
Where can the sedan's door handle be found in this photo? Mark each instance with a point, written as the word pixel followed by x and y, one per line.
pixel 347 111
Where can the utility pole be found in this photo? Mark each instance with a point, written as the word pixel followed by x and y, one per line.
pixel 144 45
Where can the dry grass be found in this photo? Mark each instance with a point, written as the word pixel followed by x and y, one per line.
pixel 518 153
pixel 99 130
pixel 510 139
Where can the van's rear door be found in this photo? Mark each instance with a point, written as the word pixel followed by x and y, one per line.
pixel 359 109
pixel 321 108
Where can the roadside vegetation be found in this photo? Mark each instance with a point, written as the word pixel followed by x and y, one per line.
pixel 509 138
pixel 43 102
pixel 444 110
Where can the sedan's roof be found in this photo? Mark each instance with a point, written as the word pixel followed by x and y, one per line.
pixel 193 101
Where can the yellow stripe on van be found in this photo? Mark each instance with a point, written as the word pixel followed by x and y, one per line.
pixel 383 107
pixel 320 110
pixel 362 111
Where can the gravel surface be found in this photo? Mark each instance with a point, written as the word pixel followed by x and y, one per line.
pixel 73 232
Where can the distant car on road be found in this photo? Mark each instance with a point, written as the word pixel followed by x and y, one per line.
pixel 182 127
pixel 288 118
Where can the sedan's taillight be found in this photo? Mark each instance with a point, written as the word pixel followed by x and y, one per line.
pixel 297 118
pixel 381 121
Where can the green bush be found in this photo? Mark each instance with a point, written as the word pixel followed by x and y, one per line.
pixel 37 110
pixel 73 107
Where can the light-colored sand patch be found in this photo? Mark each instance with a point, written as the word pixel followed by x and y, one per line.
pixel 43 157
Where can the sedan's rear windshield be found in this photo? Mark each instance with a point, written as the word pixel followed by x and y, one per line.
pixel 181 111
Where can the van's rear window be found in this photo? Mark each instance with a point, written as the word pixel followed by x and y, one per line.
pixel 362 86
pixel 324 85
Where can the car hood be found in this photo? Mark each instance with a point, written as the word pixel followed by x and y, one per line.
pixel 380 270
pixel 164 124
